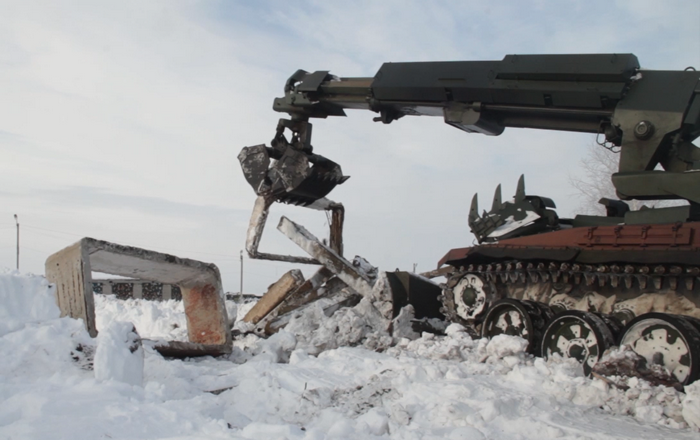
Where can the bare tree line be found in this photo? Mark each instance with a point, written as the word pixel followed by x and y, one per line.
pixel 598 166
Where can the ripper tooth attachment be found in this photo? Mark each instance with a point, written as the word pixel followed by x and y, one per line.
pixel 524 215
pixel 287 171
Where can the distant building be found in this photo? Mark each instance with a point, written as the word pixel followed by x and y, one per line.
pixel 138 289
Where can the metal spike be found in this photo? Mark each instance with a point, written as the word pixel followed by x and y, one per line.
pixel 576 268
pixel 628 281
pixel 470 268
pixel 504 277
pixel 602 280
pixel 590 278
pixel 489 268
pixel 615 268
pixel 644 269
pixel 577 278
pixel 642 280
pixel 629 268
pixel 565 277
pixel 480 268
pixel 659 270
pixel 509 266
pixel 540 266
pixel 522 277
pixel 552 267
pixel 614 280
pixel 603 269
pixel 499 267
pixel 474 210
pixel 497 204
pixel 520 191
pixel 657 282
pixel 544 275
pixel 513 276
pixel 519 266
pixel 533 276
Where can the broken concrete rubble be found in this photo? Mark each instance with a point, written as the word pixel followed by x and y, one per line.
pixel 341 286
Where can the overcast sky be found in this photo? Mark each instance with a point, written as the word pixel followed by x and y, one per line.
pixel 122 120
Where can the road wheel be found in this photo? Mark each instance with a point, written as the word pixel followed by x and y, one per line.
pixel 513 317
pixel 583 336
pixel 670 341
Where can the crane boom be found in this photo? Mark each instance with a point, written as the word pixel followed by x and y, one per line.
pixel 652 116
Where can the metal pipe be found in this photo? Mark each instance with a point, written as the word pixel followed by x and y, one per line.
pixel 17 221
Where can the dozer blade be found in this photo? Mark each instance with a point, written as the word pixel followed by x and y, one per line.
pixel 421 293
pixel 293 177
pixel 200 283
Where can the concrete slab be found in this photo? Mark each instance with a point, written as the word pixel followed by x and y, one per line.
pixel 200 283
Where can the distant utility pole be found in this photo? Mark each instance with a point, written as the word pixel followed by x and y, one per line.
pixel 17 221
pixel 414 267
pixel 241 275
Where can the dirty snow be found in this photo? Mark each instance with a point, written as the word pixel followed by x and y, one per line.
pixel 52 384
pixel 511 224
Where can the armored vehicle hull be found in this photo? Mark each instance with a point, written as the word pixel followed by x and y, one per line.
pixel 578 291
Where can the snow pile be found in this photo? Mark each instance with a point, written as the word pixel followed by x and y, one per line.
pixel 691 405
pixel 25 299
pixel 349 326
pixel 119 355
pixel 451 387
pixel 157 320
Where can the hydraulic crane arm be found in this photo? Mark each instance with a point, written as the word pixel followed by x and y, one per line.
pixel 562 92
pixel 653 116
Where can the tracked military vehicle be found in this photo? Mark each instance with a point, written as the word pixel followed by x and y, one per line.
pixel 569 286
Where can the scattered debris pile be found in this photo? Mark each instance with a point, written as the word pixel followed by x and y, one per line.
pixel 370 306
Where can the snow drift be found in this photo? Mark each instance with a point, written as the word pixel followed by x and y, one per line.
pixel 302 384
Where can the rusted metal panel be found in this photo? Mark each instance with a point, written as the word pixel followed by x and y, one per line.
pixel 647 235
pixel 274 296
pixel 207 321
pixel 204 318
pixel 671 243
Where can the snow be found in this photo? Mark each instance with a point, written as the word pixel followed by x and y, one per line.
pixel 303 383
pixel 119 354
pixel 511 224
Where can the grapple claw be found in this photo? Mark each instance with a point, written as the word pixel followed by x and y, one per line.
pixel 290 172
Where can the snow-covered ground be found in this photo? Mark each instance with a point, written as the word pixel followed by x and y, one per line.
pixel 58 383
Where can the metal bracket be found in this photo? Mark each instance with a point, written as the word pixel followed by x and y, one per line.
pixel 258 219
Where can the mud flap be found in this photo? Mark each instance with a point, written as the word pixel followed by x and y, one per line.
pixel 207 322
